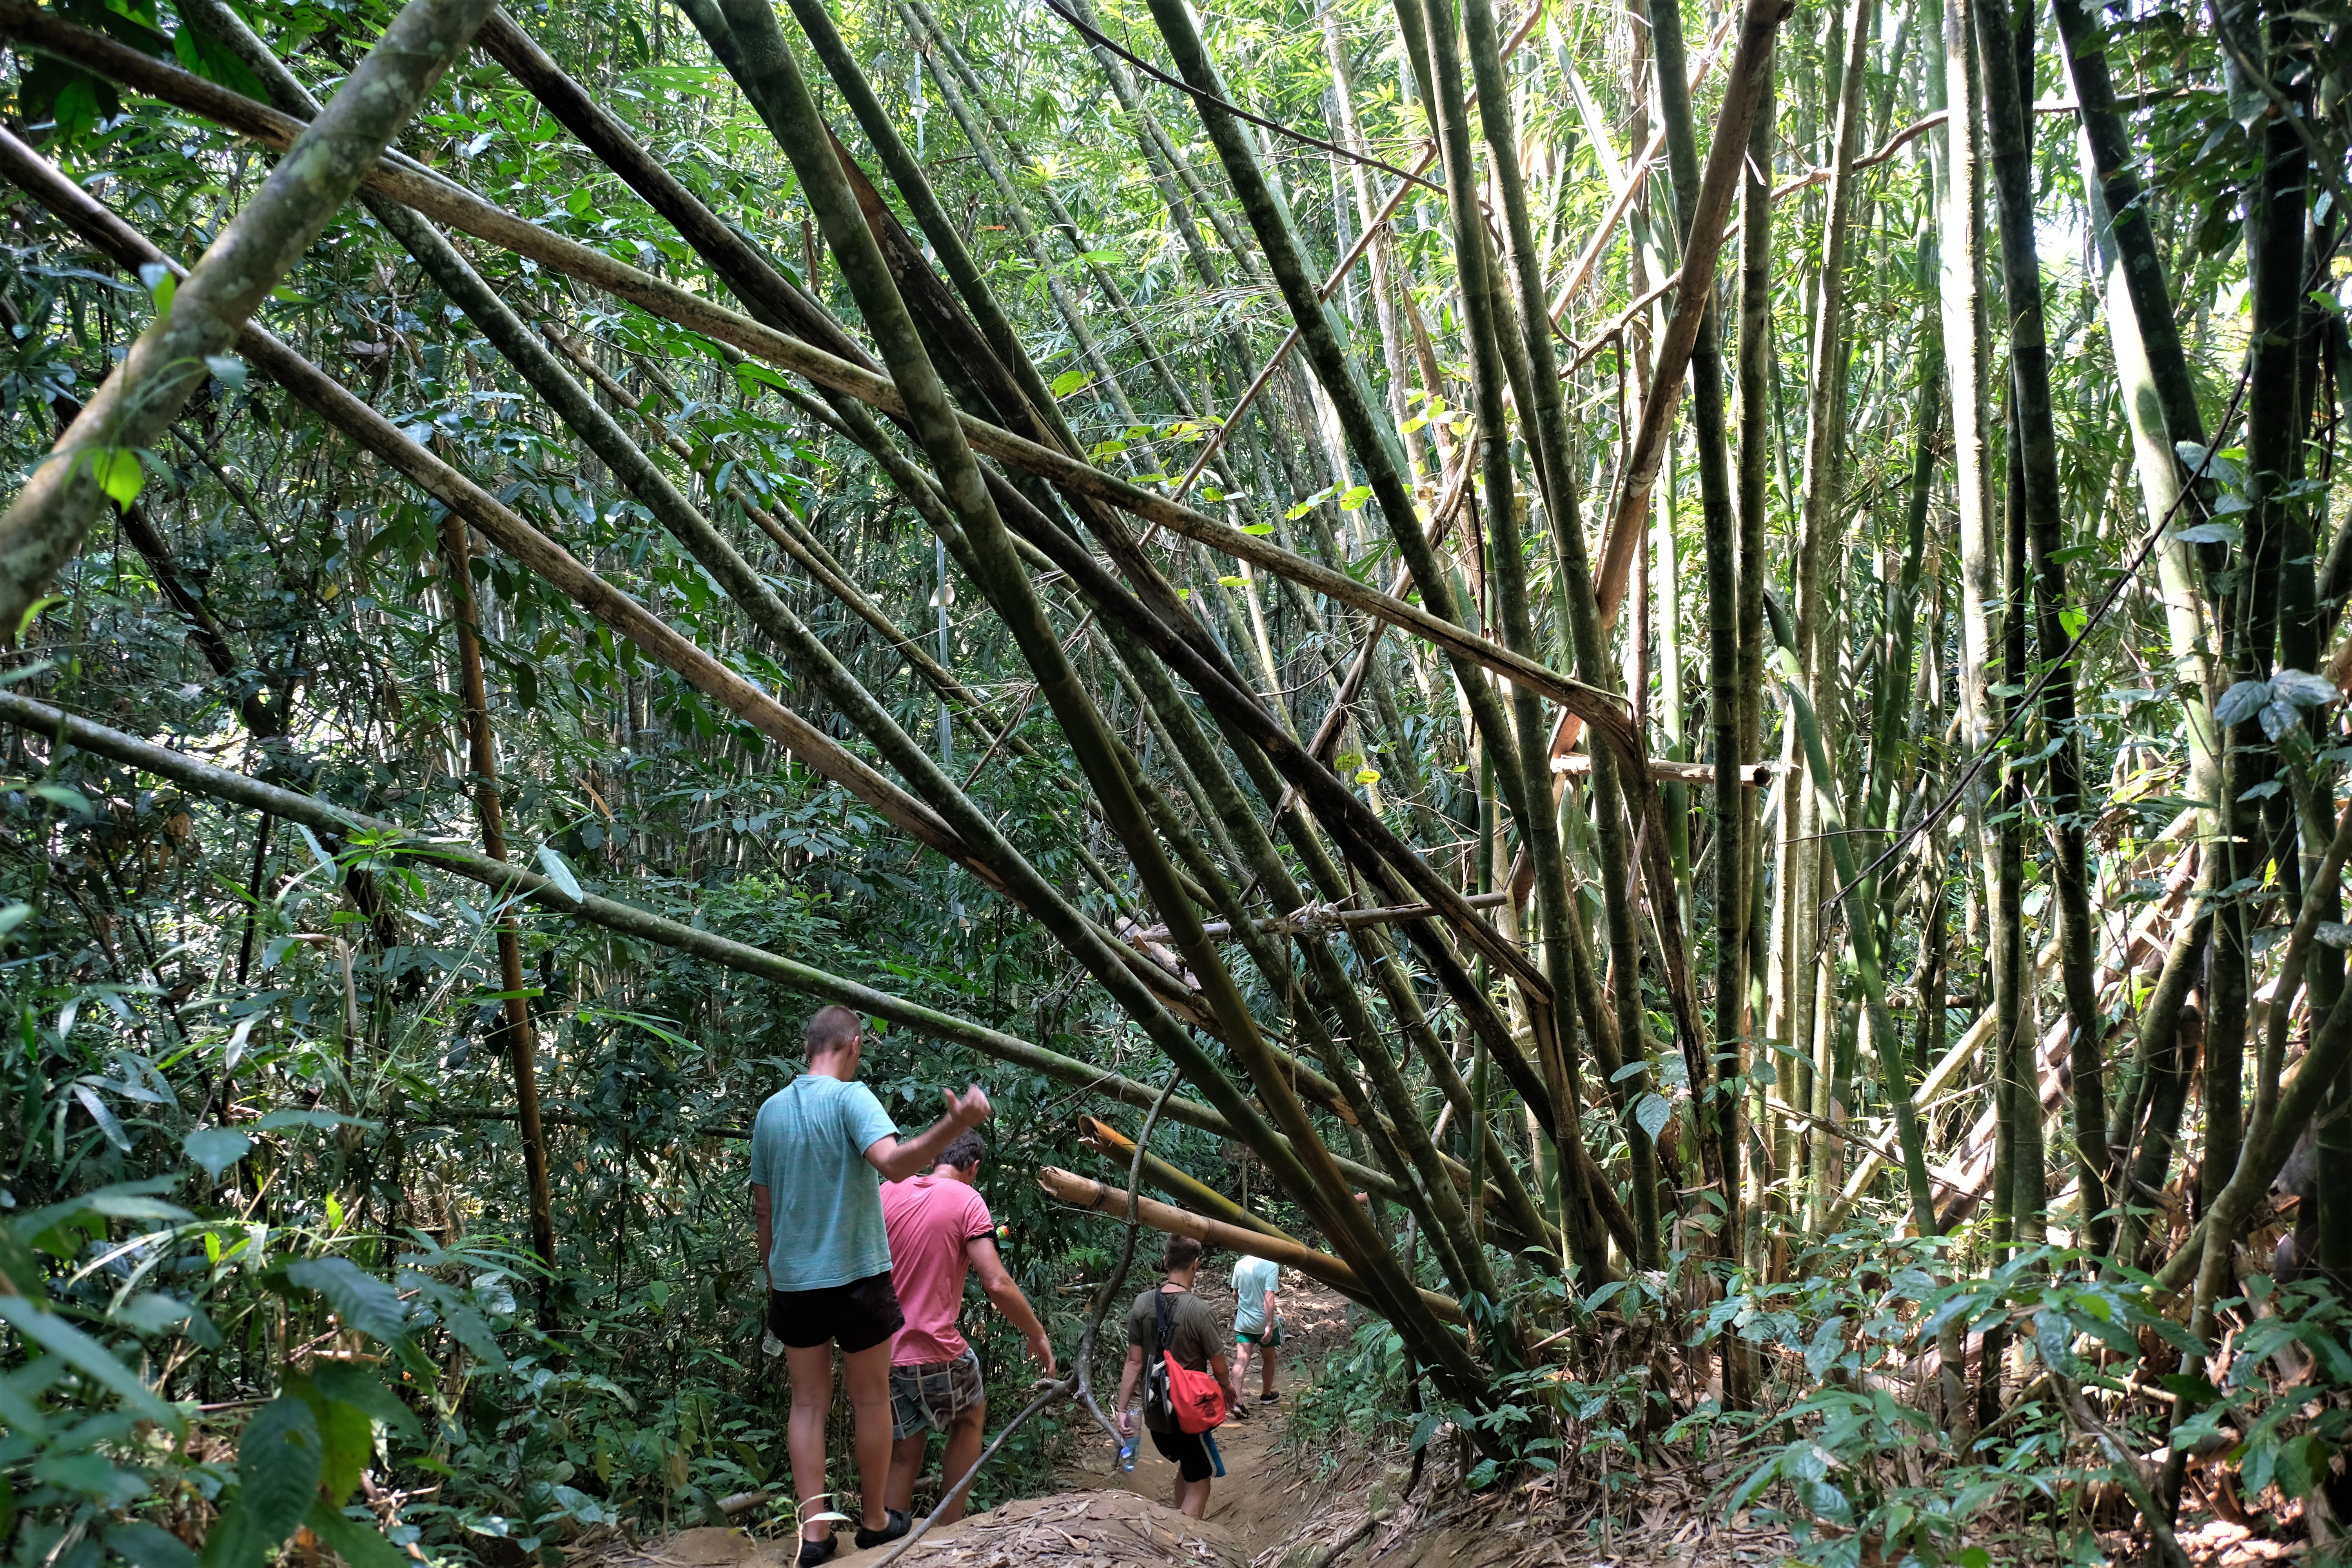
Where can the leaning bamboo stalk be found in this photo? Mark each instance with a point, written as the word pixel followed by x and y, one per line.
pixel 482 746
pixel 519 539
pixel 1312 915
pixel 1753 775
pixel 1104 1139
pixel 1081 1192
pixel 518 881
pixel 1364 242
pixel 199 316
pixel 772 81
pixel 335 404
pixel 447 203
pixel 1725 161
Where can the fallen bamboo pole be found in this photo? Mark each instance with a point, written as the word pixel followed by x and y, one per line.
pixel 1314 917
pixel 1755 775
pixel 1081 1192
pixel 1110 1142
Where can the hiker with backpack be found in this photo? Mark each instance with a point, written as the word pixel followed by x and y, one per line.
pixel 1176 1349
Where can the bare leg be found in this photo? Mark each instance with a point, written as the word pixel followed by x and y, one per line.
pixel 1241 1364
pixel 906 1465
pixel 964 1434
pixel 1192 1498
pixel 867 1377
pixel 809 1367
pixel 1265 1372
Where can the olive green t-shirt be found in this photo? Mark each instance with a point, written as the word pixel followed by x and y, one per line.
pixel 1192 1338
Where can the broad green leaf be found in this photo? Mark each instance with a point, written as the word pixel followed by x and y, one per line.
pixel 85 1354
pixel 1652 1113
pixel 119 473
pixel 357 1384
pixel 473 1331
pixel 278 1464
pixel 346 1438
pixel 217 1148
pixel 1070 381
pixel 149 1545
pixel 360 1299
pixel 319 851
pixel 235 1540
pixel 361 1545
pixel 2241 701
pixel 559 871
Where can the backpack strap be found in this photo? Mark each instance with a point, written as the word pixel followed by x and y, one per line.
pixel 1159 1306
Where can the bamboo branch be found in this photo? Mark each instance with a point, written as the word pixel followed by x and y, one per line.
pixel 1081 1192
pixel 199 319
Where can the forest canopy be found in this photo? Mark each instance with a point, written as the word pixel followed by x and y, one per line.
pixel 1663 683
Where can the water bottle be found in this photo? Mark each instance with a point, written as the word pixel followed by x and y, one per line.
pixel 1126 1453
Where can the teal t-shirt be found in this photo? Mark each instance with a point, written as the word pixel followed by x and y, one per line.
pixel 1253 1278
pixel 808 1149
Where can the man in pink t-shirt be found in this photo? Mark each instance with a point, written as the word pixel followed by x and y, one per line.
pixel 940 1229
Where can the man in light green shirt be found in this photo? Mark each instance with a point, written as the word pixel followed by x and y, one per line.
pixel 1257 1324
pixel 820 1149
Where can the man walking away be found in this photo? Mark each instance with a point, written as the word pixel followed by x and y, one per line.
pixel 1194 1340
pixel 941 1230
pixel 820 1149
pixel 1257 1322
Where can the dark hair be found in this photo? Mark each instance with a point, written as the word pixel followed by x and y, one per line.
pixel 967 1148
pixel 1181 1252
pixel 833 1029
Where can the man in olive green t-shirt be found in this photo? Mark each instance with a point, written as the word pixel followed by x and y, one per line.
pixel 1198 1345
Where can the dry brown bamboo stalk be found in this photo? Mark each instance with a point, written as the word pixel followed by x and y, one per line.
pixel 1081 1192
pixel 1314 914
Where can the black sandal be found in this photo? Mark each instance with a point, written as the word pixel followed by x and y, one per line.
pixel 816 1551
pixel 894 1524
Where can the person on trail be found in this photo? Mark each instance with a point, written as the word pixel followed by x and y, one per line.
pixel 940 1229
pixel 1198 1346
pixel 820 1150
pixel 1257 1322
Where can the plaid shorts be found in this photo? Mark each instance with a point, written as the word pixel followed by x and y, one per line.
pixel 933 1393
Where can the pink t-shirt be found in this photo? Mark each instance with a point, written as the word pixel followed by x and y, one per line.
pixel 930 1218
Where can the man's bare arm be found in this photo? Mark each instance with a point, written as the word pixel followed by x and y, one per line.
pixel 899 1159
pixel 1127 1386
pixel 763 1220
pixel 980 1251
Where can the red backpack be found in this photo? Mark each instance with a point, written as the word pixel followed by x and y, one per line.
pixel 1193 1398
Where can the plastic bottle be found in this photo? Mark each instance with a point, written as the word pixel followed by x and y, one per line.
pixel 1126 1453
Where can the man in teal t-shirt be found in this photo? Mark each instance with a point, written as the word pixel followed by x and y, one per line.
pixel 821 1148
pixel 1257 1322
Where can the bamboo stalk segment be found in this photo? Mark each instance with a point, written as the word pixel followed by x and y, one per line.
pixel 1082 1191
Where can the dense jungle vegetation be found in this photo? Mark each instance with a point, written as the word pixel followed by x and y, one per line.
pixel 1696 646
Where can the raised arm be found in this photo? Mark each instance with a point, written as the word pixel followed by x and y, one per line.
pixel 899 1159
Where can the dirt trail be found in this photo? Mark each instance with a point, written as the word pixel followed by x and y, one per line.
pixel 1278 1506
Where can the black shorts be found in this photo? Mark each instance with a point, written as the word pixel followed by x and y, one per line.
pixel 1186 1452
pixel 857 1316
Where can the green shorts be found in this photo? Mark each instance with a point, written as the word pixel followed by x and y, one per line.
pixel 1250 1336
